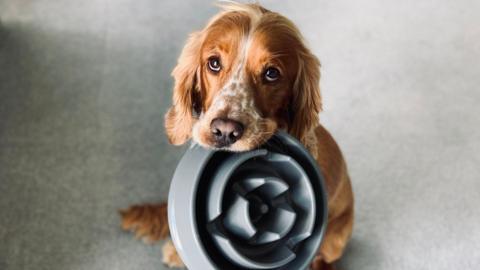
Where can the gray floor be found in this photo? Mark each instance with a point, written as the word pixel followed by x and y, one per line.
pixel 83 89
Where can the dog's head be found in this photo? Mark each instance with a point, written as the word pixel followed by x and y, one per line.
pixel 245 75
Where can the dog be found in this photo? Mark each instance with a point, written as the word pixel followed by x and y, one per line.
pixel 247 74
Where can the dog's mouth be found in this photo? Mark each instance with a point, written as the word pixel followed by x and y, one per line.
pixel 233 134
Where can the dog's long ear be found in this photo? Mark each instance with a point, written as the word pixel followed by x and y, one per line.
pixel 306 102
pixel 179 119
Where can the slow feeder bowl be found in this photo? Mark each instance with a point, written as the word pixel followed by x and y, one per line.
pixel 261 209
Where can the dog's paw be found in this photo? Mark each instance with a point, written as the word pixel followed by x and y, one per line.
pixel 148 222
pixel 319 264
pixel 170 256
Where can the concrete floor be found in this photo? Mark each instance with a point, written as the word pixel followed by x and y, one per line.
pixel 83 89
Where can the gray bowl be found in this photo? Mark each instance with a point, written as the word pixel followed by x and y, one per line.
pixel 261 209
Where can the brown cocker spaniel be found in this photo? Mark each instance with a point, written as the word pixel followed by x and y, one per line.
pixel 244 76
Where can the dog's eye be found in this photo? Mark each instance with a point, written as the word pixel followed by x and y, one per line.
pixel 271 74
pixel 214 64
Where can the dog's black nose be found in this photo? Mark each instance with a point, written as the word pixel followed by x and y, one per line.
pixel 226 131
